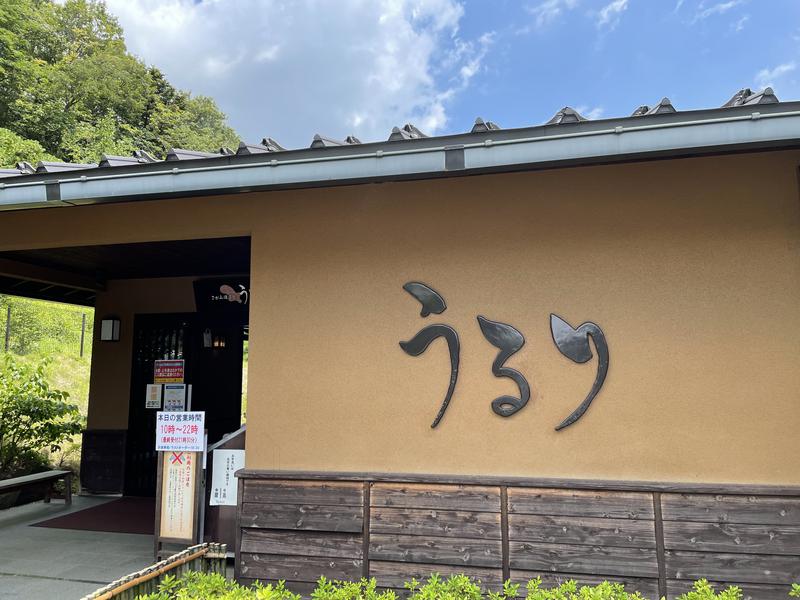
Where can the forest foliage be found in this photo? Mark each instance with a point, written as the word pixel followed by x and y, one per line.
pixel 44 383
pixel 71 91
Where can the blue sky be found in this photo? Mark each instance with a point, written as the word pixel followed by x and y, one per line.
pixel 696 53
pixel 292 68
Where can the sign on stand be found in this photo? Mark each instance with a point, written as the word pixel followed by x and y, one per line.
pixel 180 442
pixel 180 431
pixel 180 480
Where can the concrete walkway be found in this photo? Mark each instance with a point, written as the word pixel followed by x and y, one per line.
pixel 43 563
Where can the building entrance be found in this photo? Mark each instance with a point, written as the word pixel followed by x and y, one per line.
pixel 212 349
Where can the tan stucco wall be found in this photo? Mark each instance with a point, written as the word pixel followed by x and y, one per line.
pixel 110 383
pixel 690 267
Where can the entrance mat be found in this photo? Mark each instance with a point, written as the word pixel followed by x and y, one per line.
pixel 123 515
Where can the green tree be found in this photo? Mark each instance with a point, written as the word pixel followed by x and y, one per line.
pixel 68 82
pixel 87 141
pixel 194 123
pixel 33 416
pixel 14 148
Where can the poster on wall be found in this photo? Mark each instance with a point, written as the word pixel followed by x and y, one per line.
pixel 180 431
pixel 153 396
pixel 168 371
pixel 178 494
pixel 174 396
pixel 224 464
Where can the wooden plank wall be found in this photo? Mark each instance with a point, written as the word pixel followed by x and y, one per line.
pixel 751 541
pixel 653 541
pixel 297 531
pixel 419 529
pixel 589 536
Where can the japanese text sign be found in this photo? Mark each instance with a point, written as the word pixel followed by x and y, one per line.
pixel 178 485
pixel 168 371
pixel 180 431
pixel 223 483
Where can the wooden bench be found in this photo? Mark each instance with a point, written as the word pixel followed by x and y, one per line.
pixel 17 483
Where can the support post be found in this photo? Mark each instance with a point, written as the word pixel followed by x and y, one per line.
pixel 8 325
pixel 83 331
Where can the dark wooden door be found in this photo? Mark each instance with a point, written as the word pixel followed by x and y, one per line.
pixel 214 370
pixel 155 337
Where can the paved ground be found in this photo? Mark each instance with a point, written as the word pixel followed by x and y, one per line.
pixel 43 563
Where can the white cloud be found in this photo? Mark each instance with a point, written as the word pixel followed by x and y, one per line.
pixel 590 113
pixel 739 25
pixel 610 14
pixel 549 10
pixel 704 11
pixel 767 77
pixel 290 69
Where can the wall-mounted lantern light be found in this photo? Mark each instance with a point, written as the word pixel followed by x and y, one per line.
pixel 109 330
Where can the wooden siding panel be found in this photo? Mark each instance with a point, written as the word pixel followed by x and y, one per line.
pixel 749 568
pixel 580 503
pixel 582 531
pixel 302 517
pixel 436 550
pixel 395 574
pixel 441 497
pixel 591 560
pixel 754 510
pixel 298 530
pixel 270 567
pixel 292 543
pixel 434 522
pixel 303 492
pixel 732 537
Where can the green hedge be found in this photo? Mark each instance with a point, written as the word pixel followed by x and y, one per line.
pixel 202 586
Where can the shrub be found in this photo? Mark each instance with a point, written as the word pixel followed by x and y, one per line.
pixel 705 591
pixel 202 586
pixel 346 590
pixel 33 417
pixel 207 586
pixel 570 591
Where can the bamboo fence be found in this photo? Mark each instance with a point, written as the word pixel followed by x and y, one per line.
pixel 206 558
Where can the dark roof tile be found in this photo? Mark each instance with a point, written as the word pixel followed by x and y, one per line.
pixel 59 167
pixel 266 145
pixel 746 97
pixel 482 126
pixel 320 141
pixel 182 154
pixel 566 115
pixel 406 132
pixel 138 157
pixel 664 106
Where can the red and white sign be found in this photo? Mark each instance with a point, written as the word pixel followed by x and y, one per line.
pixel 178 488
pixel 168 371
pixel 180 431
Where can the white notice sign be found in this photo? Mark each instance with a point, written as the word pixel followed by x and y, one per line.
pixel 174 396
pixel 180 431
pixel 223 484
pixel 178 488
pixel 153 398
